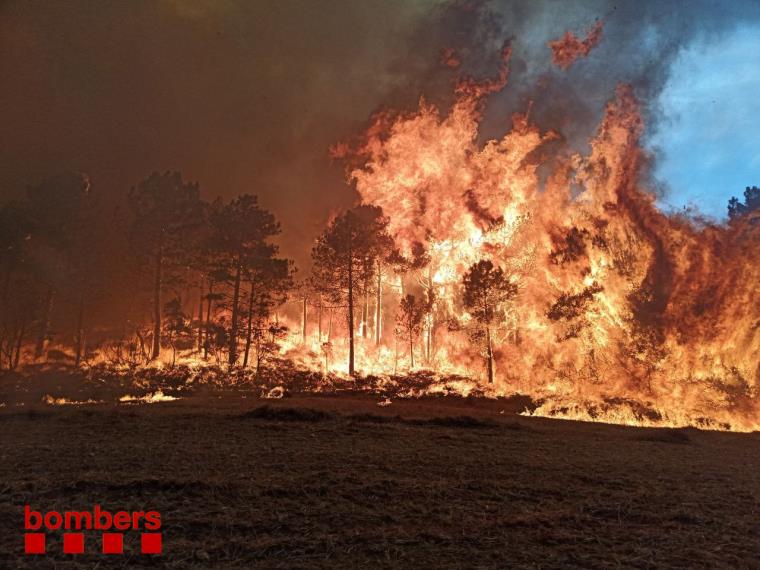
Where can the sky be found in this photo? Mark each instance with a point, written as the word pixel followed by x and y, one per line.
pixel 247 96
pixel 710 149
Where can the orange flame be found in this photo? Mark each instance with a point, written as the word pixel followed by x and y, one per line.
pixel 567 49
pixel 617 301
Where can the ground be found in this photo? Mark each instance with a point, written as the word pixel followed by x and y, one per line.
pixel 340 482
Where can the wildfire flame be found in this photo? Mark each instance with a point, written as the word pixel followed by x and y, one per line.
pixel 623 313
pixel 617 301
pixel 153 398
pixel 567 49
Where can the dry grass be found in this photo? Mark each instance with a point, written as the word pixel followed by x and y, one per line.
pixel 338 482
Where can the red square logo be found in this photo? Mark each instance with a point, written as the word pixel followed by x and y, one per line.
pixel 34 543
pixel 73 543
pixel 113 543
pixel 150 543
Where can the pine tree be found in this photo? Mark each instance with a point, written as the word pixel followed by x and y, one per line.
pixel 486 288
pixel 409 322
pixel 239 242
pixel 166 212
pixel 344 260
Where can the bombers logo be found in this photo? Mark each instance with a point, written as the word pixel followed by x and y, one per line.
pixel 112 526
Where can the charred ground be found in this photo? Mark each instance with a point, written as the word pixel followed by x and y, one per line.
pixel 338 481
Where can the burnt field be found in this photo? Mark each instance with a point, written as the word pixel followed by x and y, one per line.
pixel 340 482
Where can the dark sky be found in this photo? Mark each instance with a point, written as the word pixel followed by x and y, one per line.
pixel 247 96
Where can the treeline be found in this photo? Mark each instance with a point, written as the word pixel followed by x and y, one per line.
pixel 45 242
pixel 356 257
pixel 205 279
pixel 209 271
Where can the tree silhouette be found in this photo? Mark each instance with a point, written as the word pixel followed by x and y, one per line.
pixel 176 325
pixel 344 260
pixel 239 242
pixel 20 292
pixel 418 263
pixel 165 214
pixel 486 289
pixel 266 342
pixel 269 280
pixel 409 322
pixel 15 228
pixel 751 203
pixel 59 210
pixel 203 267
pixel 385 256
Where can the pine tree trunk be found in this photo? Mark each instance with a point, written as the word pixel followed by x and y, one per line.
pixel 200 317
pixel 319 318
pixel 80 329
pixel 143 354
pixel 208 318
pixel 430 318
pixel 428 334
pixel 350 328
pixel 411 351
pixel 303 328
pixel 259 355
pixel 378 307
pixel 156 348
pixel 17 357
pixel 350 313
pixel 249 330
pixel 233 349
pixel 44 330
pixel 489 354
pixel 365 310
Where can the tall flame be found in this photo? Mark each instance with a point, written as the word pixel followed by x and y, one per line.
pixel 617 301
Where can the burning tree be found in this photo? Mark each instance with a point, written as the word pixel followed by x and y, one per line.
pixel 419 264
pixel 409 319
pixel 266 341
pixel 486 289
pixel 176 325
pixel 270 279
pixel 239 241
pixel 215 278
pixel 344 260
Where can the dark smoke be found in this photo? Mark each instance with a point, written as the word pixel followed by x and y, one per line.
pixel 641 40
pixel 247 96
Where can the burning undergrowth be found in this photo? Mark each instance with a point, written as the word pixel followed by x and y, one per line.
pixel 104 384
pixel 108 384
